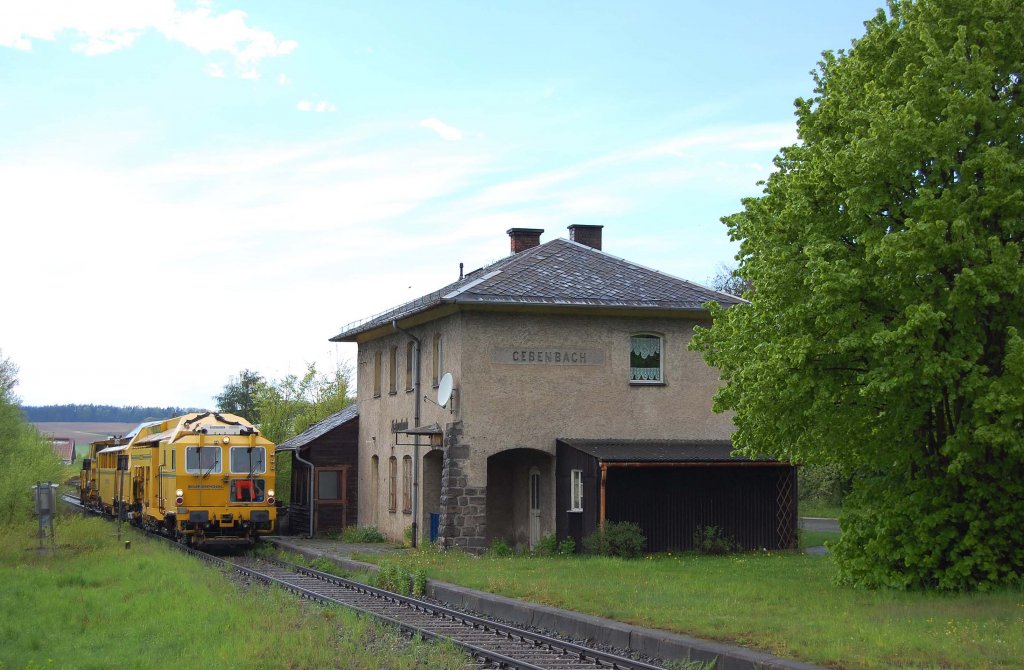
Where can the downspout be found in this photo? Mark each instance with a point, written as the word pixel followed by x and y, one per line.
pixel 604 480
pixel 311 500
pixel 416 438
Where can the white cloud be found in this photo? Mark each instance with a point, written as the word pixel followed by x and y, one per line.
pixel 104 26
pixel 444 131
pixel 214 70
pixel 321 106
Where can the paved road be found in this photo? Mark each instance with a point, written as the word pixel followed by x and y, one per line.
pixel 819 523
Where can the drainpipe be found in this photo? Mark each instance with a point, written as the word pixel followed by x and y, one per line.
pixel 604 480
pixel 416 438
pixel 312 502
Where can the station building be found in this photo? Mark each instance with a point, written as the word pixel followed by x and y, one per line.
pixel 572 400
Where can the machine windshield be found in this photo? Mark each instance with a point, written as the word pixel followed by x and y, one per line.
pixel 249 460
pixel 202 460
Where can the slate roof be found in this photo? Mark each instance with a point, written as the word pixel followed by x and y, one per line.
pixel 320 428
pixel 557 273
pixel 659 451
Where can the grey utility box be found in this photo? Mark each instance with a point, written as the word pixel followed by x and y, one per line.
pixel 46 498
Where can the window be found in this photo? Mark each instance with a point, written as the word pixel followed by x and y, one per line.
pixel 250 460
pixel 645 358
pixel 410 364
pixel 328 483
pixel 202 460
pixel 174 460
pixel 438 359
pixel 576 492
pixel 393 484
pixel 407 484
pixel 376 375
pixel 248 490
pixel 393 371
pixel 374 486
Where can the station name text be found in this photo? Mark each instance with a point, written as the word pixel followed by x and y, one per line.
pixel 549 356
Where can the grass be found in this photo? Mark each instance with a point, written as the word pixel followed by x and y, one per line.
pixel 816 538
pixel 93 604
pixel 819 509
pixel 783 603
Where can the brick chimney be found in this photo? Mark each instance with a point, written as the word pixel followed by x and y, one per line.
pixel 524 238
pixel 588 235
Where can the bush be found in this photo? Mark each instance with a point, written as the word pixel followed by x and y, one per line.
pixel 393 577
pixel 362 534
pixel 500 548
pixel 824 482
pixel 567 547
pixel 712 540
pixel 618 538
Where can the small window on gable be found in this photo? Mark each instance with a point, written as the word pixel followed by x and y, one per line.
pixel 376 375
pixel 438 366
pixel 576 492
pixel 393 371
pixel 410 364
pixel 645 359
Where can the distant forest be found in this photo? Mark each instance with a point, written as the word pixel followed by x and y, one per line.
pixel 101 413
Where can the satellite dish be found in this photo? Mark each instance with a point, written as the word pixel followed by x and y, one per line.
pixel 444 389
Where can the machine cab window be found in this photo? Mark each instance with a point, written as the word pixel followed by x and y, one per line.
pixel 249 460
pixel 202 460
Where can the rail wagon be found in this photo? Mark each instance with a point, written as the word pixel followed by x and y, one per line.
pixel 203 478
pixel 100 483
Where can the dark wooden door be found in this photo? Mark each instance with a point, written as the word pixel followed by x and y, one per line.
pixel 330 498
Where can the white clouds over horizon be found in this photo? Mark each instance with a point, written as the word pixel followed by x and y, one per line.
pixel 443 130
pixel 105 26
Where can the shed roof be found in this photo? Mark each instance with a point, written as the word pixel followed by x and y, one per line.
pixel 321 428
pixel 556 273
pixel 659 451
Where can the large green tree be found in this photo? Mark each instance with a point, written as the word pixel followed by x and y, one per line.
pixel 885 334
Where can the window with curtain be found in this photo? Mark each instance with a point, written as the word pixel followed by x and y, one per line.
pixel 576 491
pixel 393 484
pixel 645 358
pixel 407 484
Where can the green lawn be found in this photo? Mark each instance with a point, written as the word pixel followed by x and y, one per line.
pixel 819 509
pixel 94 604
pixel 784 603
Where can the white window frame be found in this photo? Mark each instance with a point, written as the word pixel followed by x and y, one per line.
pixel 661 359
pixel 576 491
pixel 202 470
pixel 245 458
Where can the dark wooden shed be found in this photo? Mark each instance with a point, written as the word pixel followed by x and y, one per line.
pixel 325 474
pixel 670 488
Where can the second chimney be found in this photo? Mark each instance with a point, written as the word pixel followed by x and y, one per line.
pixel 588 235
pixel 524 238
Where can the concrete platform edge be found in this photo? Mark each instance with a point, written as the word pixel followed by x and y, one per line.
pixel 649 641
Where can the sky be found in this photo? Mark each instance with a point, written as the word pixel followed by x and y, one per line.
pixel 191 189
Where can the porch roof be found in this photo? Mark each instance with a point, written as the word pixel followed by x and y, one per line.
pixel 659 451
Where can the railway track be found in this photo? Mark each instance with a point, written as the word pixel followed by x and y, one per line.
pixel 489 643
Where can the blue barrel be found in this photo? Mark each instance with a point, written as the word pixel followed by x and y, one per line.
pixel 435 525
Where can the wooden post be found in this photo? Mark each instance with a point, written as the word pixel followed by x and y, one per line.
pixel 604 478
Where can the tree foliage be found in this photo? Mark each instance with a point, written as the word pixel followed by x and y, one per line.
pixel 25 457
pixel 242 395
pixel 885 334
pixel 728 281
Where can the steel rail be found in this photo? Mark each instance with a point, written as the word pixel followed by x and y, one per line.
pixel 560 654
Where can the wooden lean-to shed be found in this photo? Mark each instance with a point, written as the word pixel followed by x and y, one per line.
pixel 325 481
pixel 670 488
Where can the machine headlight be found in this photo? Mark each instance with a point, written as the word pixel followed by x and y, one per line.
pixel 179 493
pixel 270 493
